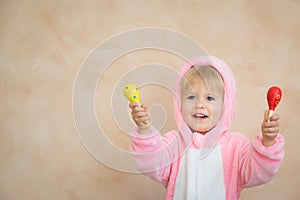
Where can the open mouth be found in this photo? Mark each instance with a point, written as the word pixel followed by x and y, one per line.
pixel 200 116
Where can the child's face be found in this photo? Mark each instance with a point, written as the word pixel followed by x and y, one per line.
pixel 201 108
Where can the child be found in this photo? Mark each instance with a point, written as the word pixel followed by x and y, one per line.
pixel 202 160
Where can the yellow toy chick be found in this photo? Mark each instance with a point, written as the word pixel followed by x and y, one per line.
pixel 132 93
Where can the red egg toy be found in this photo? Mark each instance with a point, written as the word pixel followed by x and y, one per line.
pixel 274 96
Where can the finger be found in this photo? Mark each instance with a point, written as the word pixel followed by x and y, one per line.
pixel 141 120
pixel 137 109
pixel 266 114
pixel 141 108
pixel 270 135
pixel 270 124
pixel 144 107
pixel 271 130
pixel 133 105
pixel 137 118
pixel 145 119
pixel 274 117
pixel 141 114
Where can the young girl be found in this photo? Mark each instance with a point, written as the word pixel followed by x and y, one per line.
pixel 202 160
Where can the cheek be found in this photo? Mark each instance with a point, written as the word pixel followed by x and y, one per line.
pixel 183 109
pixel 186 108
pixel 217 109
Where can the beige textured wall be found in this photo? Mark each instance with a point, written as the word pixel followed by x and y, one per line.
pixel 44 43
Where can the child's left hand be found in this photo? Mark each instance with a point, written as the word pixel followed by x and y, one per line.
pixel 269 129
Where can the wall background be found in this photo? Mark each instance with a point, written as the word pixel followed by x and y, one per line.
pixel 44 43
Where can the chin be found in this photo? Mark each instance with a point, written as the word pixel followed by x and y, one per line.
pixel 200 131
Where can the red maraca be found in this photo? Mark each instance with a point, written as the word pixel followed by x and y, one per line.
pixel 274 96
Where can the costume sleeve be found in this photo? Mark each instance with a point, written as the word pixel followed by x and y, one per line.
pixel 258 164
pixel 154 153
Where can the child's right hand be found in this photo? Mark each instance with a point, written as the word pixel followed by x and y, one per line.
pixel 140 115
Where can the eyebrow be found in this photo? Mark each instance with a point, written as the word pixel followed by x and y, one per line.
pixel 206 94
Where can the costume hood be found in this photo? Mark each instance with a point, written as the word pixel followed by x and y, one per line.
pixel 229 96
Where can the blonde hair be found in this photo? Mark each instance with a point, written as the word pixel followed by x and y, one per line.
pixel 208 74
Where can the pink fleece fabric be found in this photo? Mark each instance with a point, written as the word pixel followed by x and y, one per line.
pixel 245 163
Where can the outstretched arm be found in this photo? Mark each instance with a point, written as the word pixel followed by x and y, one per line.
pixel 153 153
pixel 260 161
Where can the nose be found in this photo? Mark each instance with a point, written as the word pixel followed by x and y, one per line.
pixel 200 104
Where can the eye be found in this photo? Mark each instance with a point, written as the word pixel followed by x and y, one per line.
pixel 192 97
pixel 209 98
